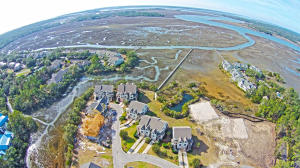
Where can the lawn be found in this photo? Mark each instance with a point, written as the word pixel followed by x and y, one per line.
pixel 127 144
pixel 206 153
pixel 140 165
pixel 24 72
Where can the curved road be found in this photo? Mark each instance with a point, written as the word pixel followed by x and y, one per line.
pixel 120 158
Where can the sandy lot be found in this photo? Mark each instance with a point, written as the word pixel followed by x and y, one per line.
pixel 202 112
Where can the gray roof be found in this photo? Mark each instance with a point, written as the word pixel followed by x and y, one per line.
pixel 127 88
pixel 136 105
pixel 152 122
pixel 182 132
pixel 58 77
pixel 89 165
pixel 104 88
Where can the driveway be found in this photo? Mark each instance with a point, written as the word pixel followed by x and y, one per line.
pixel 120 158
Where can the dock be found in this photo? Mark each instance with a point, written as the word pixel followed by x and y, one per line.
pixel 174 70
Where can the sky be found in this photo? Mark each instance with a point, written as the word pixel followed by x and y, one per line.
pixel 17 13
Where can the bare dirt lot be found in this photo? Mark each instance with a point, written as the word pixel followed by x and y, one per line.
pixel 202 112
pixel 241 142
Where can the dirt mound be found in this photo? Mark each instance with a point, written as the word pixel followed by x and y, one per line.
pixel 92 125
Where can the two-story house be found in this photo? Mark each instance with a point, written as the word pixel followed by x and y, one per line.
pixel 152 127
pixel 182 138
pixel 136 109
pixel 104 91
pixel 126 92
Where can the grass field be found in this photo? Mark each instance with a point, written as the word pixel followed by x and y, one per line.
pixel 140 165
pixel 23 72
pixel 127 144
pixel 207 152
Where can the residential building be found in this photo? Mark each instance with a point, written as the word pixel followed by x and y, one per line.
pixel 5 136
pixel 227 66
pixel 246 85
pixel 136 109
pixel 236 75
pixel 55 65
pixel 89 165
pixel 152 127
pixel 240 66
pixel 104 91
pixel 182 138
pixel 126 92
pixel 255 69
pixel 58 77
pixel 99 106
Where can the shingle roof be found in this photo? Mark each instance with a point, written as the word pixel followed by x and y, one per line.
pixel 89 165
pixel 182 132
pixel 152 122
pixel 104 88
pixel 127 88
pixel 136 105
pixel 3 120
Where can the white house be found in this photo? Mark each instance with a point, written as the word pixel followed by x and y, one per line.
pixel 182 138
pixel 152 127
pixel 136 109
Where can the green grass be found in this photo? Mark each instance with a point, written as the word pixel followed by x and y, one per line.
pixel 140 165
pixel 24 72
pixel 127 144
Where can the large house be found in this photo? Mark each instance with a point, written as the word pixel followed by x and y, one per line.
pixel 99 106
pixel 58 77
pixel 226 65
pixel 236 75
pixel 246 85
pixel 240 66
pixel 152 127
pixel 182 138
pixel 126 92
pixel 5 136
pixel 136 109
pixel 104 91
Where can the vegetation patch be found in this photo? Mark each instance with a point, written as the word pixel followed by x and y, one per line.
pixel 174 94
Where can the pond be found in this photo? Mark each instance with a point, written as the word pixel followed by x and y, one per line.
pixel 178 107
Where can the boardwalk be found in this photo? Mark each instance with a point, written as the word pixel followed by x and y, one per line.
pixel 174 70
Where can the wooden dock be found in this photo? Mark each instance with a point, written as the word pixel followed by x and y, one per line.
pixel 174 70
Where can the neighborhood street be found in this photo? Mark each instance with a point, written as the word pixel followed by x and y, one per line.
pixel 120 158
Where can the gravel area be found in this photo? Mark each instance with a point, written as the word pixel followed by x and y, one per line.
pixel 202 111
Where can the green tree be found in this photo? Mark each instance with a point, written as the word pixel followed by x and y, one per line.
pixel 196 163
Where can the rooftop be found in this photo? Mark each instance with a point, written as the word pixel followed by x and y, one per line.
pixel 127 88
pixel 182 132
pixel 136 105
pixel 152 122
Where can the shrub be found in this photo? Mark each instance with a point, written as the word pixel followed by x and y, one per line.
pixel 147 140
pixel 156 148
pixel 122 118
pixel 196 163
pixel 124 134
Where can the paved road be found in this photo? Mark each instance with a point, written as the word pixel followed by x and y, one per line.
pixel 120 158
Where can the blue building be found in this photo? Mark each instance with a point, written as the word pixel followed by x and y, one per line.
pixel 5 136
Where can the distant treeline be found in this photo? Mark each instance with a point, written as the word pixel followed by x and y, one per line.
pixel 13 35
pixel 271 29
pixel 123 13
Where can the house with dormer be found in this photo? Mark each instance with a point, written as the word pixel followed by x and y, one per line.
pixel 104 91
pixel 136 109
pixel 126 92
pixel 182 138
pixel 152 127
